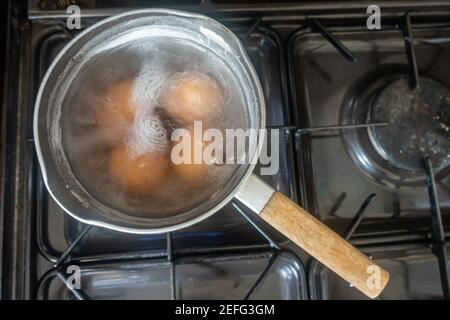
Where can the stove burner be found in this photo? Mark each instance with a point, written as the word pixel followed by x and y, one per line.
pixel 418 127
pixel 418 124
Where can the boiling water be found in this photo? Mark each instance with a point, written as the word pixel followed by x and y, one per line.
pixel 150 68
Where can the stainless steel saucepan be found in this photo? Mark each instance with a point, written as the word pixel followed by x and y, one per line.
pixel 214 39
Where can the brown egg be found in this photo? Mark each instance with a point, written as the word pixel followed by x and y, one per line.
pixel 189 172
pixel 192 97
pixel 143 174
pixel 116 112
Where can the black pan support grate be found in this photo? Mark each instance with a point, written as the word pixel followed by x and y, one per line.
pixel 79 294
pixel 315 25
pixel 437 229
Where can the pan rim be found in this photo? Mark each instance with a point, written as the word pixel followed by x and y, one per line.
pixel 200 217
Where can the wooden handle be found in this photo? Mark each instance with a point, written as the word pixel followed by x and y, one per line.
pixel 325 245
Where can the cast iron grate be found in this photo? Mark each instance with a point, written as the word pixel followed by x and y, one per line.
pixel 438 238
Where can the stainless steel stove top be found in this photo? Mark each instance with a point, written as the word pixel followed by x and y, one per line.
pixel 308 84
pixel 227 230
pixel 339 162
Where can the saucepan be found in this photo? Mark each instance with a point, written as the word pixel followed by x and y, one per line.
pixel 117 46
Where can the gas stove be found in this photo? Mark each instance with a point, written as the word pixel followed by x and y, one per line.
pixel 319 66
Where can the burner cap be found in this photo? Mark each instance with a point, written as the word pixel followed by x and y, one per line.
pixel 419 124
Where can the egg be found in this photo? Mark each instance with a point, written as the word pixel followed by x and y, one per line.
pixel 189 172
pixel 190 97
pixel 116 112
pixel 142 174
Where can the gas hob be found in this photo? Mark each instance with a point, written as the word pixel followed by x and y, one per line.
pixel 318 65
